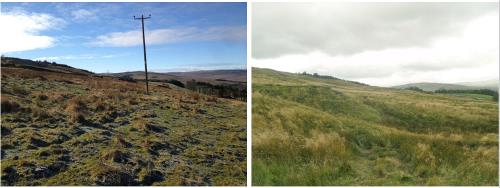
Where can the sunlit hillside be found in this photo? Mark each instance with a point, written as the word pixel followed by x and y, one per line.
pixel 65 126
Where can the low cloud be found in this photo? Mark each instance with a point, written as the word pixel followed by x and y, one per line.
pixel 21 31
pixel 470 56
pixel 166 36
pixel 347 28
pixel 382 44
pixel 75 57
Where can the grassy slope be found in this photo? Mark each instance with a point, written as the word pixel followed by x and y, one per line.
pixel 310 131
pixel 64 129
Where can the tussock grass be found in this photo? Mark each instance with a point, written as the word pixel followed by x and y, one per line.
pixel 92 130
pixel 309 131
pixel 114 155
pixel 75 108
pixel 39 113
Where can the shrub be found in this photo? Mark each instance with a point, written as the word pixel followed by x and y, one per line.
pixel 414 88
pixel 127 78
pixel 176 82
pixel 493 94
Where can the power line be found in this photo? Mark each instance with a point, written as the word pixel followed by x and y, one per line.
pixel 142 18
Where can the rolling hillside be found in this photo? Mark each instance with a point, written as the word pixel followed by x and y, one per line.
pixel 426 86
pixel 65 126
pixel 487 84
pixel 42 66
pixel 210 76
pixel 310 130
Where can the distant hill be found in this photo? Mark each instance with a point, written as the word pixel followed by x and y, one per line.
pixel 210 76
pixel 487 84
pixel 428 86
pixel 42 66
pixel 238 75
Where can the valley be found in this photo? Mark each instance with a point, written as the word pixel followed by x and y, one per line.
pixel 320 130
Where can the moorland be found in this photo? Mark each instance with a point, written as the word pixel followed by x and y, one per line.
pixel 66 126
pixel 309 129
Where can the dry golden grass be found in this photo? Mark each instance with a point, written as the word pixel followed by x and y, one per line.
pixel 103 122
pixel 76 109
pixel 322 144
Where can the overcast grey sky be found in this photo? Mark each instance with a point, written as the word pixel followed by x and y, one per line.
pixel 380 44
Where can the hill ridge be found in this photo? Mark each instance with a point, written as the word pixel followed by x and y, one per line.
pixel 42 65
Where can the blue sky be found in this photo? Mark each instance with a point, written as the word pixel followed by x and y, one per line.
pixel 104 37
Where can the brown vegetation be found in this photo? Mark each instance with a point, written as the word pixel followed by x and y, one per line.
pixel 74 129
pixel 75 109
pixel 9 106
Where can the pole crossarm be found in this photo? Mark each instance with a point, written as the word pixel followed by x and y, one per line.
pixel 142 17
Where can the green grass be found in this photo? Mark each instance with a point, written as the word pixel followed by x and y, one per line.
pixel 473 96
pixel 63 129
pixel 312 131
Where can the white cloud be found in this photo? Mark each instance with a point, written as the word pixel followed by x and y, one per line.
pixel 79 57
pixel 472 55
pixel 165 36
pixel 21 31
pixel 83 15
pixel 347 28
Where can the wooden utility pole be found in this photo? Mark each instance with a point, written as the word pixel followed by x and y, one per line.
pixel 142 18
